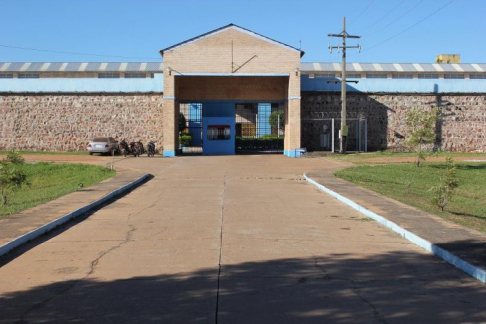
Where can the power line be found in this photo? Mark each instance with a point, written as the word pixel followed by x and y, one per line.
pixel 76 53
pixel 394 21
pixel 362 12
pixel 386 15
pixel 407 29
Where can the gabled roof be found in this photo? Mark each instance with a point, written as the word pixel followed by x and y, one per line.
pixel 236 27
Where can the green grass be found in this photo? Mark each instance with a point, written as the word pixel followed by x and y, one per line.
pixel 360 158
pixel 49 181
pixel 411 185
pixel 3 152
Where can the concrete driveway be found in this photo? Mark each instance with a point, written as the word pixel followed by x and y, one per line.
pixel 239 239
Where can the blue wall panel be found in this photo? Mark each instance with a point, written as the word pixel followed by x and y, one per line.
pixel 398 85
pixel 155 84
pixel 219 113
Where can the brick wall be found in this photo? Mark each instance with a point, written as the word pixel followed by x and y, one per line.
pixel 69 122
pixel 462 129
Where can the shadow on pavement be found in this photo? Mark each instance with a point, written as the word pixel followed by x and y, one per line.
pixel 388 288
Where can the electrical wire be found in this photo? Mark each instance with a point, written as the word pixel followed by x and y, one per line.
pixel 362 12
pixel 75 53
pixel 407 29
pixel 395 20
pixel 386 15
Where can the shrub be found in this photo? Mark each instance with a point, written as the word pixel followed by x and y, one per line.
pixel 11 176
pixel 444 192
pixel 421 130
pixel 185 140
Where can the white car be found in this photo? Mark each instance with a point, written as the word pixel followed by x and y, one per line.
pixel 102 145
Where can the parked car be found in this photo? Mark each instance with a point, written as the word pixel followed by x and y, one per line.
pixel 102 145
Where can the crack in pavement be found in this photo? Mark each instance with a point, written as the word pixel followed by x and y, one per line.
pixel 376 314
pixel 221 240
pixel 94 263
pixel 73 283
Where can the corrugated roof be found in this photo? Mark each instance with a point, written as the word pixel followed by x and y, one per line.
pixel 393 67
pixel 81 67
pixel 157 67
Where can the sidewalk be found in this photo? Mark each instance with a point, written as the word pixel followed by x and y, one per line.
pixel 16 225
pixel 467 244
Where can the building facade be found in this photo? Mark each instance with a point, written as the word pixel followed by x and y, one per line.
pixel 237 91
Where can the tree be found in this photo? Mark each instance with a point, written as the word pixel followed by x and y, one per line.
pixel 448 182
pixel 11 176
pixel 276 120
pixel 182 123
pixel 421 130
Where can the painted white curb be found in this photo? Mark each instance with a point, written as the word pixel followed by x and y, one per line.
pixel 7 247
pixel 472 270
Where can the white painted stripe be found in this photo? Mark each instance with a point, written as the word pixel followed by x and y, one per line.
pixel 5 66
pixel 7 247
pixel 457 67
pixel 438 67
pixel 336 66
pixel 294 98
pixel 418 67
pixel 316 66
pixel 45 66
pixel 123 67
pixel 477 67
pixel 474 271
pixel 377 67
pixel 398 67
pixel 63 67
pixel 103 66
pixel 25 66
pixel 143 66
pixel 357 67
pixel 82 67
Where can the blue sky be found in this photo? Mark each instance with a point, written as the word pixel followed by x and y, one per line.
pixel 138 29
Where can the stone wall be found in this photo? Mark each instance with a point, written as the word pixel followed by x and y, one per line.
pixel 461 129
pixel 58 122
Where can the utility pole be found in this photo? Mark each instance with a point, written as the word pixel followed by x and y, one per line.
pixel 343 133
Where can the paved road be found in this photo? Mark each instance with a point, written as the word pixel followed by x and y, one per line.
pixel 239 239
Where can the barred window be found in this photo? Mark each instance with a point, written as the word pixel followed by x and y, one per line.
pixel 428 76
pixel 6 75
pixel 135 75
pixel 376 75
pixel 108 75
pixel 353 75
pixel 402 76
pixel 453 76
pixel 325 75
pixel 28 75
pixel 477 76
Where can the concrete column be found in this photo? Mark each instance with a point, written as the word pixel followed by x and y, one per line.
pixel 170 116
pixel 169 127
pixel 292 116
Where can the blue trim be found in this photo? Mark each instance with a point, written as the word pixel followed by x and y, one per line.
pixel 472 270
pixel 71 85
pixel 290 153
pixel 397 85
pixel 169 153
